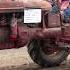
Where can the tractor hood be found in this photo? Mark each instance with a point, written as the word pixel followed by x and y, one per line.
pixel 10 5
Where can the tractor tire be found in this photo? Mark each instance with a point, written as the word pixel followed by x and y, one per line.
pixel 38 56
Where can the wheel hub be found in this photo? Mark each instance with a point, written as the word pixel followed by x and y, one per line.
pixel 49 47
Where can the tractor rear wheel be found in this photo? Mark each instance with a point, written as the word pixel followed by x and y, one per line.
pixel 45 53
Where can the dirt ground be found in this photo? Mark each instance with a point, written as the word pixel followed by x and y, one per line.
pixel 13 57
pixel 18 59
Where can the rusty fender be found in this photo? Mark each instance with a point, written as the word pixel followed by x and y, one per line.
pixel 49 32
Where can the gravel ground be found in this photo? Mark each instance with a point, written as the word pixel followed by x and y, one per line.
pixel 18 59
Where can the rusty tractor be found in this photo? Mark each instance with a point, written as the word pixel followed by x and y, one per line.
pixel 29 22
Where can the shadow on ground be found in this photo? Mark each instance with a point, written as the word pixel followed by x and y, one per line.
pixel 36 67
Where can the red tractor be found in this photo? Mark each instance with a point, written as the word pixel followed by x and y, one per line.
pixel 28 22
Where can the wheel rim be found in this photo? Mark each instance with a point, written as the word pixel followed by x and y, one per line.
pixel 49 47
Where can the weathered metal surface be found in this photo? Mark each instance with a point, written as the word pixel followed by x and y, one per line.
pixel 7 5
pixel 19 34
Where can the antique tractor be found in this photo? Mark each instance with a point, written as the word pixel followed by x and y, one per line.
pixel 29 22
